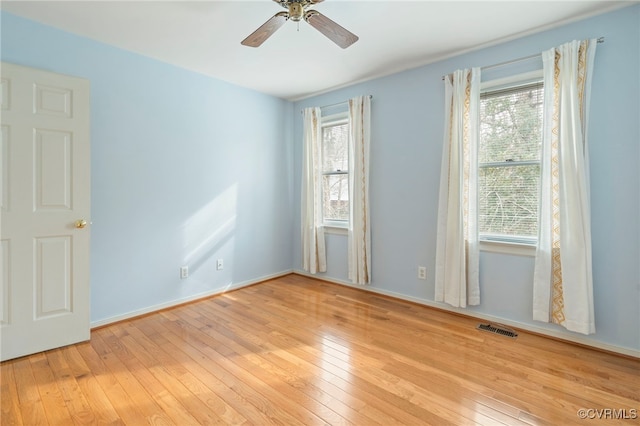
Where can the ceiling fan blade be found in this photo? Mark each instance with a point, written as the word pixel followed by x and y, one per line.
pixel 266 30
pixel 332 30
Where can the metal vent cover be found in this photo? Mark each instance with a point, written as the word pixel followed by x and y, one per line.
pixel 498 329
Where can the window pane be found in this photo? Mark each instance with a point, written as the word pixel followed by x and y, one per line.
pixel 511 125
pixel 335 203
pixel 334 147
pixel 508 200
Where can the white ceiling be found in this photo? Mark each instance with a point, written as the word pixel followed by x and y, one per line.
pixel 298 61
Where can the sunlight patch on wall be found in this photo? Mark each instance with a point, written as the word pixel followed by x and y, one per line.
pixel 210 229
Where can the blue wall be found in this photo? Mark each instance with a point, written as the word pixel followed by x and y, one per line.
pixel 407 133
pixel 186 169
pixel 179 177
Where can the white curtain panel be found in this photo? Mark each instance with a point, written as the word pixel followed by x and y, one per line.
pixel 563 284
pixel 314 258
pixel 457 251
pixel 359 239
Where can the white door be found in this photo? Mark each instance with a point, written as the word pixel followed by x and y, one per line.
pixel 45 183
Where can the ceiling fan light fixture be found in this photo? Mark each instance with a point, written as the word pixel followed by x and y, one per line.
pixel 295 12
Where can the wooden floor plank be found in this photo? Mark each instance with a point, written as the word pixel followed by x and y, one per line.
pixel 166 371
pixel 101 406
pixel 224 384
pixel 9 401
pixel 276 390
pixel 300 351
pixel 30 402
pixel 127 411
pixel 305 344
pixel 254 391
pixel 137 395
pixel 254 345
pixel 331 362
pixel 53 399
pixel 146 375
pixel 197 380
pixel 339 351
pixel 74 398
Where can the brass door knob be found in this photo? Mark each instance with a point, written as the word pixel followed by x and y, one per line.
pixel 81 223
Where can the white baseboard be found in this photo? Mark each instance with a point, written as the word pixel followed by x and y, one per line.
pixel 479 315
pixel 175 302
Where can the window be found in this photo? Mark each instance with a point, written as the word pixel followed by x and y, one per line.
pixel 509 162
pixel 335 172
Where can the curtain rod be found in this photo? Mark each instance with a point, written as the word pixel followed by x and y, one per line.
pixel 336 104
pixel 513 61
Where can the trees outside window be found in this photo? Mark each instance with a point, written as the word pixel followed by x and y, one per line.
pixel 335 175
pixel 509 163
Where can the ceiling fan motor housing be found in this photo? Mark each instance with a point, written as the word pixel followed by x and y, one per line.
pixel 296 10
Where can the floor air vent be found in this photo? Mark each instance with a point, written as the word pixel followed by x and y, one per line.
pixel 498 329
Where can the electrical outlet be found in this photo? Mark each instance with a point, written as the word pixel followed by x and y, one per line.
pixel 184 272
pixel 422 272
pixel 220 265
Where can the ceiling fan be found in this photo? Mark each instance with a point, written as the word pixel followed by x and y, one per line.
pixel 296 11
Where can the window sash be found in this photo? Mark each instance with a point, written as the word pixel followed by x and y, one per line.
pixel 509 164
pixel 513 214
pixel 335 197
pixel 340 218
pixel 513 87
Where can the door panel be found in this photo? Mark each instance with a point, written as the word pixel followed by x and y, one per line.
pixel 54 163
pixel 52 281
pixel 53 101
pixel 45 189
pixel 4 163
pixel 5 290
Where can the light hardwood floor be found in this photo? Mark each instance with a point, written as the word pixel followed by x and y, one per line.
pixel 300 351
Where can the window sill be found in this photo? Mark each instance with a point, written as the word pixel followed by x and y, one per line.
pixel 504 247
pixel 335 229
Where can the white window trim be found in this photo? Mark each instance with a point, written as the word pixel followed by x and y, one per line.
pixel 338 227
pixel 511 81
pixel 510 245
